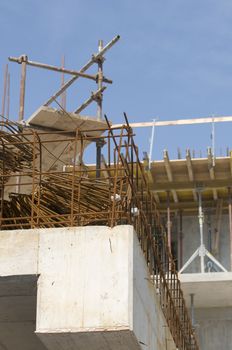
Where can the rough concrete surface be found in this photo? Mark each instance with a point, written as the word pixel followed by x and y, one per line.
pixel 91 287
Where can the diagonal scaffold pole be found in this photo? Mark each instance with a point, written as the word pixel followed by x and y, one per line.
pixel 93 60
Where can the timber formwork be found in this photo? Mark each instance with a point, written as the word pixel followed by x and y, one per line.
pixel 35 195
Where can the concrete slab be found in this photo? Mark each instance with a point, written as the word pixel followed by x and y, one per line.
pixel 50 118
pixel 99 340
pixel 212 289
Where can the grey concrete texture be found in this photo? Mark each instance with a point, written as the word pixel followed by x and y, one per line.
pixel 18 313
pixel 214 328
pixel 78 288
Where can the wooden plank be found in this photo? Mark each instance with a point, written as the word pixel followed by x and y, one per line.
pixel 190 171
pixel 169 174
pixel 189 165
pixel 178 122
pixel 167 166
pixel 211 167
pixel 188 185
pixel 188 205
pixel 147 170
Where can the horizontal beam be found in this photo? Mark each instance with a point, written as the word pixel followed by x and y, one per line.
pixel 178 122
pixel 189 185
pixel 24 58
pixel 189 205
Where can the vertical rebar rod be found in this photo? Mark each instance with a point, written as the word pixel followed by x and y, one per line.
pixel 230 224
pixel 99 145
pixel 213 141
pixel 4 91
pixel 151 143
pixel 22 88
pixel 2 184
pixel 73 179
pixel 33 191
pixel 168 220
pixel 100 79
pixel 22 103
pixel 192 309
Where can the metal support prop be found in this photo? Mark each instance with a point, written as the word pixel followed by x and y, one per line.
pixel 168 220
pixel 151 143
pixel 201 251
pixel 99 81
pixel 213 141
pixel 180 259
pixel 99 144
pixel 201 223
pixel 4 91
pixel 192 309
pixel 22 88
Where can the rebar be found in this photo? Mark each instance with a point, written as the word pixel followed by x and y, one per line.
pixel 75 196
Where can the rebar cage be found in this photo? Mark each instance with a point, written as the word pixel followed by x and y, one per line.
pixel 45 183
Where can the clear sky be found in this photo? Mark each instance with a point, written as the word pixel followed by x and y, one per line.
pixel 174 60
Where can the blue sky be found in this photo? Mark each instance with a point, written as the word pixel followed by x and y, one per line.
pixel 174 60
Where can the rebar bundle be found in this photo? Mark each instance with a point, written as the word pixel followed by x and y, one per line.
pixel 59 201
pixel 15 152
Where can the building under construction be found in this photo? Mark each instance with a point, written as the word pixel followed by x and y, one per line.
pixel 123 253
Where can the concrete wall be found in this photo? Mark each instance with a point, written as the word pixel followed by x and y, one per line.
pixel 214 327
pixel 93 289
pixel 149 324
pixel 84 282
pixel 94 281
